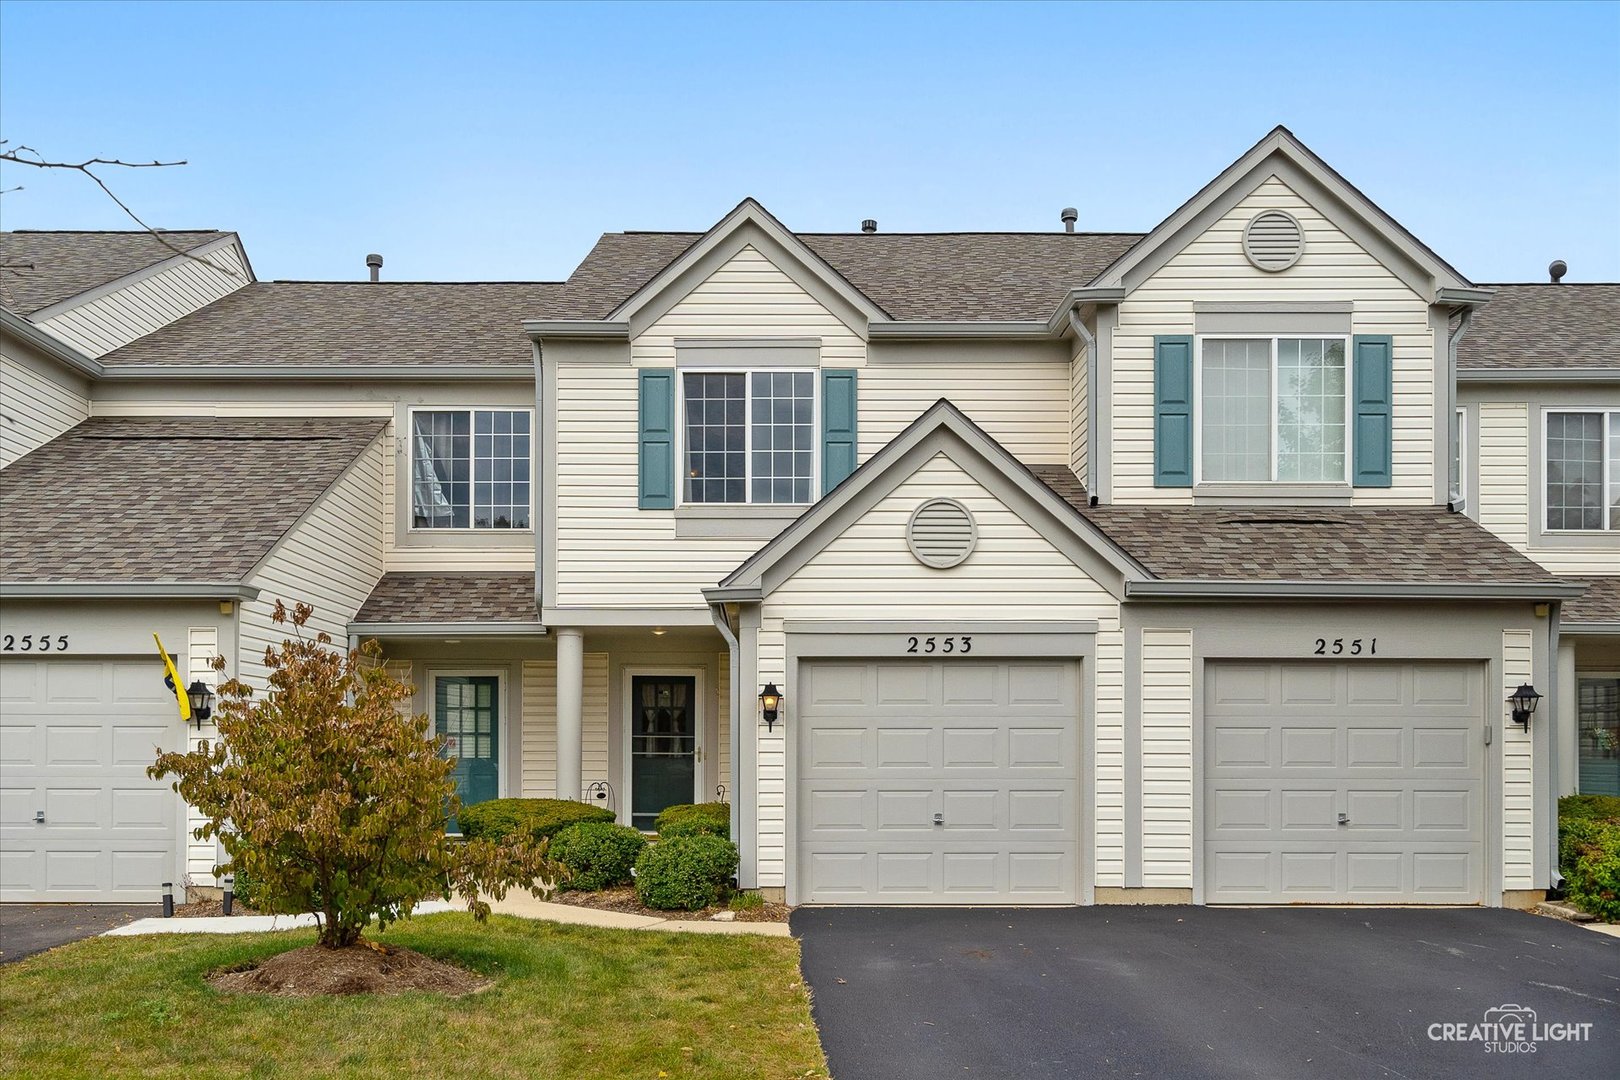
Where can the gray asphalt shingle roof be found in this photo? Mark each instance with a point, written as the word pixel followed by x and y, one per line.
pixel 1600 603
pixel 1544 326
pixel 1338 544
pixel 45 268
pixel 353 322
pixel 451 598
pixel 167 499
pixel 912 276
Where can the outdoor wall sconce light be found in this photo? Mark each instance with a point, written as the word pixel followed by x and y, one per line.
pixel 1524 702
pixel 202 701
pixel 770 705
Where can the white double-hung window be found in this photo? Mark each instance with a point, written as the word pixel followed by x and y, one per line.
pixel 1272 409
pixel 470 468
pixel 1583 469
pixel 748 436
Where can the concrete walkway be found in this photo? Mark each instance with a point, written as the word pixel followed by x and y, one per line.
pixel 522 905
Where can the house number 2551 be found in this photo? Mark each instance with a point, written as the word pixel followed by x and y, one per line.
pixel 954 644
pixel 1340 647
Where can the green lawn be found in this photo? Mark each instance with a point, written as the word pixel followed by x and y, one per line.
pixel 568 1002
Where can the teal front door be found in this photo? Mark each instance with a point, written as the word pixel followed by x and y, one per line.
pixel 466 711
pixel 663 744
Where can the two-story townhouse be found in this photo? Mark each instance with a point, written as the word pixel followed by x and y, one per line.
pixel 970 567
pixel 1538 381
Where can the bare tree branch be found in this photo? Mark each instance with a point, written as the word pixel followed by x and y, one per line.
pixel 27 155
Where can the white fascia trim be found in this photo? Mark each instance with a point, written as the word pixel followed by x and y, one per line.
pixel 1589 628
pixel 49 344
pixel 1455 297
pixel 127 590
pixel 588 617
pixel 1346 590
pixel 447 629
pixel 608 329
pixel 974 331
pixel 1520 375
pixel 750 211
pixel 1096 294
pixel 733 594
pixel 346 372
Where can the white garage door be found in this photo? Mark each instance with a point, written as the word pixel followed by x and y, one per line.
pixel 1344 783
pixel 951 782
pixel 75 739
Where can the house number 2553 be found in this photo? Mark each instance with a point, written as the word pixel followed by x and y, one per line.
pixel 933 644
pixel 1340 647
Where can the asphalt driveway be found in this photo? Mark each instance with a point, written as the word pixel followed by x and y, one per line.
pixel 26 929
pixel 1167 992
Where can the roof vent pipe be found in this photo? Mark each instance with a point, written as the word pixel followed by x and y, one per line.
pixel 374 262
pixel 869 225
pixel 1070 215
pixel 1556 270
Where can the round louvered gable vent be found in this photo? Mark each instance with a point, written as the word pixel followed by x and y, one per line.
pixel 1273 240
pixel 941 533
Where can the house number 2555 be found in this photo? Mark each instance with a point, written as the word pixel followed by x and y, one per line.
pixel 953 644
pixel 1340 647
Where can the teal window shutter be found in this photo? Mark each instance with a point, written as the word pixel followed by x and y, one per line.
pixel 656 486
pixel 1172 411
pixel 838 426
pixel 1371 430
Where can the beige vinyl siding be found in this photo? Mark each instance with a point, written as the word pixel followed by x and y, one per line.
pixel 1518 802
pixel 202 645
pixel 1334 268
pixel 36 405
pixel 332 559
pixel 1013 574
pixel 539 771
pixel 749 296
pixel 1502 486
pixel 1022 404
pixel 1167 758
pixel 143 305
pixel 1079 412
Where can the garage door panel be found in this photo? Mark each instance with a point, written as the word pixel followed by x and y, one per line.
pixel 78 738
pixel 1283 765
pixel 941 738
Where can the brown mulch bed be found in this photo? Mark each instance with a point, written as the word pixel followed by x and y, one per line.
pixel 313 971
pixel 624 899
pixel 208 909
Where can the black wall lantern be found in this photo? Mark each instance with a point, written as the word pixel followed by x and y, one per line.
pixel 1524 701
pixel 202 701
pixel 770 705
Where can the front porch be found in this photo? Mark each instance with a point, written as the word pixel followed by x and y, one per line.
pixel 632 718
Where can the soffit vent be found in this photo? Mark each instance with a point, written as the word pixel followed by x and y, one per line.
pixel 1273 240
pixel 941 533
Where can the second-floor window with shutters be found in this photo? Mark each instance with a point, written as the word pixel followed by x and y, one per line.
pixel 1272 409
pixel 748 437
pixel 1583 470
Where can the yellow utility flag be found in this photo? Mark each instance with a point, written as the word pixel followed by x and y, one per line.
pixel 173 679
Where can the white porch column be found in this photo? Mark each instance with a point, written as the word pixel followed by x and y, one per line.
pixel 570 711
pixel 1565 736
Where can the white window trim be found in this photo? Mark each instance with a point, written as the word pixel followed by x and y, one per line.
pixel 410 471
pixel 503 722
pixel 1611 422
pixel 748 431
pixel 626 758
pixel 1198 409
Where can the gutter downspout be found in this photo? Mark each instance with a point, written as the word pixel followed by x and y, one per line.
pixel 1455 500
pixel 1090 339
pixel 718 612
pixel 1553 617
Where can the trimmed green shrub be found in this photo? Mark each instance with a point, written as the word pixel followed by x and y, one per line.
pixel 1589 853
pixel 535 819
pixel 685 873
pixel 695 819
pixel 598 854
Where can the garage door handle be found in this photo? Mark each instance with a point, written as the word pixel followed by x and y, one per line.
pixel 1344 819
pixel 39 817
pixel 939 819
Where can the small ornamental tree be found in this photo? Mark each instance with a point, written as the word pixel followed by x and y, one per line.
pixel 333 800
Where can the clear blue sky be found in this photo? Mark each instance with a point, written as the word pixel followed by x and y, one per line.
pixel 468 141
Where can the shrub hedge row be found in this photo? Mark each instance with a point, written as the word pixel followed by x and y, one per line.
pixel 1589 852
pixel 695 819
pixel 538 819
